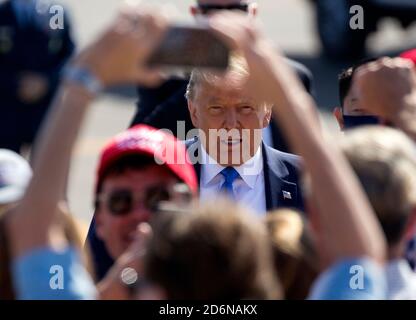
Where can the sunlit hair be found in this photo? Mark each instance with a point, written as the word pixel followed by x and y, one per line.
pixel 295 257
pixel 384 159
pixel 217 251
pixel 237 69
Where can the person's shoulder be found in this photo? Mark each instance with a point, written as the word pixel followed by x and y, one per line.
pixel 287 159
pixel 5 7
pixel 303 72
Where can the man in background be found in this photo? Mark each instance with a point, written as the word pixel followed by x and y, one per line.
pixel 33 51
pixel 164 106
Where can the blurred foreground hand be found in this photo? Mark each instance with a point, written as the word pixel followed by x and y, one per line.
pixel 118 56
pixel 387 87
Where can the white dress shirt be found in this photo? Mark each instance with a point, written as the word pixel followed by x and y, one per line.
pixel 401 280
pixel 248 188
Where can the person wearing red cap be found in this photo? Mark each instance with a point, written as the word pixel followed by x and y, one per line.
pixel 137 170
pixel 125 196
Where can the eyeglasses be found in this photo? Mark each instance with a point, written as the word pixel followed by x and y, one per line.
pixel 208 8
pixel 121 202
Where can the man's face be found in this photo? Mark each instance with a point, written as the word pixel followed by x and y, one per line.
pixel 228 107
pixel 353 113
pixel 118 231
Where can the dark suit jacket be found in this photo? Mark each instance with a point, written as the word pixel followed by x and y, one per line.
pixel 162 107
pixel 34 48
pixel 281 176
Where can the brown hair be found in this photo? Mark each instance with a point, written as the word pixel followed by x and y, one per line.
pixel 384 160
pixel 295 258
pixel 216 252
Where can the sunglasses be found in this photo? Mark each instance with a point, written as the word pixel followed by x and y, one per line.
pixel 208 8
pixel 121 202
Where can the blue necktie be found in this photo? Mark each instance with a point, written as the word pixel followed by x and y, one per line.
pixel 230 175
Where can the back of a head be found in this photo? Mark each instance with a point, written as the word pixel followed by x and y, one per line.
pixel 295 258
pixel 384 159
pixel 217 252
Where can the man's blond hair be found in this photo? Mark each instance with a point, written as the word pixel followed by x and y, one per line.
pixel 237 68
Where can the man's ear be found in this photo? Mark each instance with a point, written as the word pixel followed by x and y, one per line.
pixel 267 117
pixel 411 226
pixel 337 112
pixel 253 9
pixel 193 10
pixel 193 113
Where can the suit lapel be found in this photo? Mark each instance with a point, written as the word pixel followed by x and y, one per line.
pixel 279 192
pixel 193 146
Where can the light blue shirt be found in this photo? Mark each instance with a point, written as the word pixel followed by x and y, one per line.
pixel 248 188
pixel 352 279
pixel 47 274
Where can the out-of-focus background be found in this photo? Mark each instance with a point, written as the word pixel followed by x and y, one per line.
pixel 290 23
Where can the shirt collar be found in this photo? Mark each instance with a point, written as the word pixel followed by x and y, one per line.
pixel 248 171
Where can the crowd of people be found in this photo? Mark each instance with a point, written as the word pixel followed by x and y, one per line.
pixel 228 213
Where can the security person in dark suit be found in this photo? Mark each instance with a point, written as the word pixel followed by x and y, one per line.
pixel 35 43
pixel 162 107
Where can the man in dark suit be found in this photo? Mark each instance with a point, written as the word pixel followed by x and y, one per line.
pixel 162 107
pixel 34 46
pixel 229 154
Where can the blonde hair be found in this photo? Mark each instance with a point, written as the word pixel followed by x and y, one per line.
pixel 238 68
pixel 384 159
pixel 295 258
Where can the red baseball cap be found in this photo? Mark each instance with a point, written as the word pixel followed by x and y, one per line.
pixel 145 140
pixel 411 55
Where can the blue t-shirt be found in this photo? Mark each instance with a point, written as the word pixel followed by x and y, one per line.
pixel 47 274
pixel 353 279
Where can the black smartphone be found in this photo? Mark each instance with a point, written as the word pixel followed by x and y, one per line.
pixel 186 47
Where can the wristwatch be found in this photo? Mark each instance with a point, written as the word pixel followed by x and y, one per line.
pixel 83 77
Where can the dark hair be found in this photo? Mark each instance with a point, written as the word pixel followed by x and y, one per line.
pixel 345 78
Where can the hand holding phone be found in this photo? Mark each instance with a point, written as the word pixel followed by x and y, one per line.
pixel 188 47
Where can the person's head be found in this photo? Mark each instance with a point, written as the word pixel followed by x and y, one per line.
pixel 295 258
pixel 230 119
pixel 351 112
pixel 203 8
pixel 219 251
pixel 384 160
pixel 131 183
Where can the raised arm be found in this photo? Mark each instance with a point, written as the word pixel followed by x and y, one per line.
pixel 116 57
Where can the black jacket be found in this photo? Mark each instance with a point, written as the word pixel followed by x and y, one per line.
pixel 32 48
